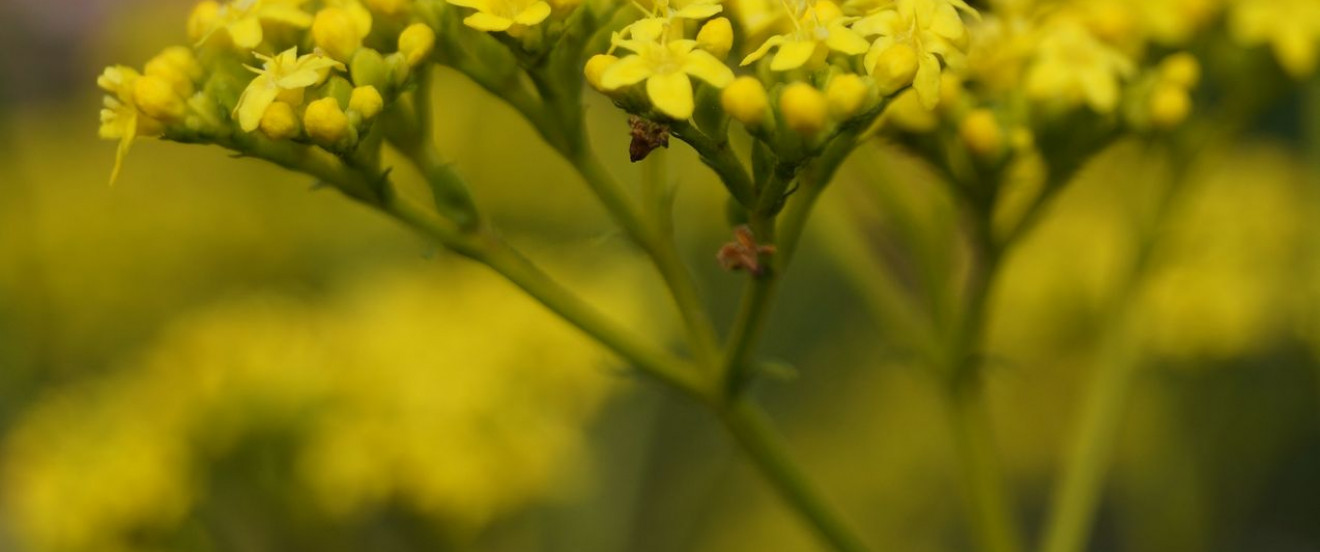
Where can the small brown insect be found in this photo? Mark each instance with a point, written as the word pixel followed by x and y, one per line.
pixel 646 137
pixel 743 253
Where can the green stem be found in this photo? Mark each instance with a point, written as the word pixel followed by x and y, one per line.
pixel 749 425
pixel 488 249
pixel 987 496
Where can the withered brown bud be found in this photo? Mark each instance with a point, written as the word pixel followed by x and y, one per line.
pixel 743 253
pixel 647 135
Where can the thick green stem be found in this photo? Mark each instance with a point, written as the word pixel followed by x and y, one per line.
pixel 750 427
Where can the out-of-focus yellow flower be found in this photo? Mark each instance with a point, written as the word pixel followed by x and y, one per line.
pixel 1181 69
pixel 504 15
pixel 981 133
pixel 178 65
pixel 337 32
pixel 804 108
pixel 1169 105
pixel 746 101
pixel 758 18
pixel 158 98
pixel 665 67
pixel 284 76
pixel 820 28
pixel 120 118
pixel 930 30
pixel 242 19
pixel 1072 66
pixel 1290 27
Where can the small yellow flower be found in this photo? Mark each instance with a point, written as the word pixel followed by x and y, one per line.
pixel 284 77
pixel 932 30
pixel 178 66
pixel 595 69
pixel 325 122
pixel 1170 105
pixel 981 134
pixel 366 101
pixel 847 93
pixel 716 37
pixel 120 118
pixel 665 68
pixel 416 43
pixel 1291 27
pixel 242 19
pixel 820 29
pixel 338 33
pixel 280 122
pixel 503 15
pixel 1072 66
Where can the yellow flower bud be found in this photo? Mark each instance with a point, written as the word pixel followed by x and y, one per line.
pixel 279 122
pixel 1181 69
pixel 907 113
pixel 746 101
pixel 366 101
pixel 157 98
pixel 202 20
pixel 178 66
pixel 416 43
pixel 596 67
pixel 847 94
pixel 981 134
pixel 895 68
pixel 823 10
pixel 804 108
pixel 716 37
pixel 1169 105
pixel 335 32
pixel 388 7
pixel 325 122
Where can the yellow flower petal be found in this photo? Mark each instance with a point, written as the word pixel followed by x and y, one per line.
pixel 671 93
pixel 763 50
pixel 927 81
pixel 698 11
pixel 533 15
pixel 245 33
pixel 844 40
pixel 254 101
pixel 625 72
pixel 483 21
pixel 707 67
pixel 793 54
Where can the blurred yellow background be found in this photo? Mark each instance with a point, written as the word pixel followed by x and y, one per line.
pixel 211 355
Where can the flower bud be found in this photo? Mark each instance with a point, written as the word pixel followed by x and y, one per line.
pixel 335 32
pixel 745 100
pixel 157 98
pixel 907 113
pixel 1169 105
pixel 981 134
pixel 279 122
pixel 368 68
pixel 596 67
pixel 416 43
pixel 895 68
pixel 202 21
pixel 325 122
pixel 716 37
pixel 847 94
pixel 1181 69
pixel 178 66
pixel 366 101
pixel 804 108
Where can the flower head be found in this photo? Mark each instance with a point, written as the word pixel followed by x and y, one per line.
pixel 284 76
pixel 818 29
pixel 242 19
pixel 120 117
pixel 665 66
pixel 1071 65
pixel 504 15
pixel 931 30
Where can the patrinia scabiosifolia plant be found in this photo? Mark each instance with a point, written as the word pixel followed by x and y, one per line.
pixel 772 95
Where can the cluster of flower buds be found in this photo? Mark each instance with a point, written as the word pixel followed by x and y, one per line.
pixel 313 72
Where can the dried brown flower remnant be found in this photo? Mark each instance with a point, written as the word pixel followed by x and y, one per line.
pixel 647 135
pixel 743 253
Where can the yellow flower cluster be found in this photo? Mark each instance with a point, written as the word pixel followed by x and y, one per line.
pixel 397 392
pixel 307 71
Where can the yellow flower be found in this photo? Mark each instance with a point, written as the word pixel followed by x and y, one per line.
pixel 338 32
pixel 1073 66
pixel 804 108
pixel 932 30
pixel 820 29
pixel 242 19
pixel 503 15
pixel 1291 27
pixel 665 68
pixel 745 100
pixel 120 118
pixel 659 20
pixel 282 77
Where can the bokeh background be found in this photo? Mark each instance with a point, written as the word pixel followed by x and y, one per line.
pixel 212 355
